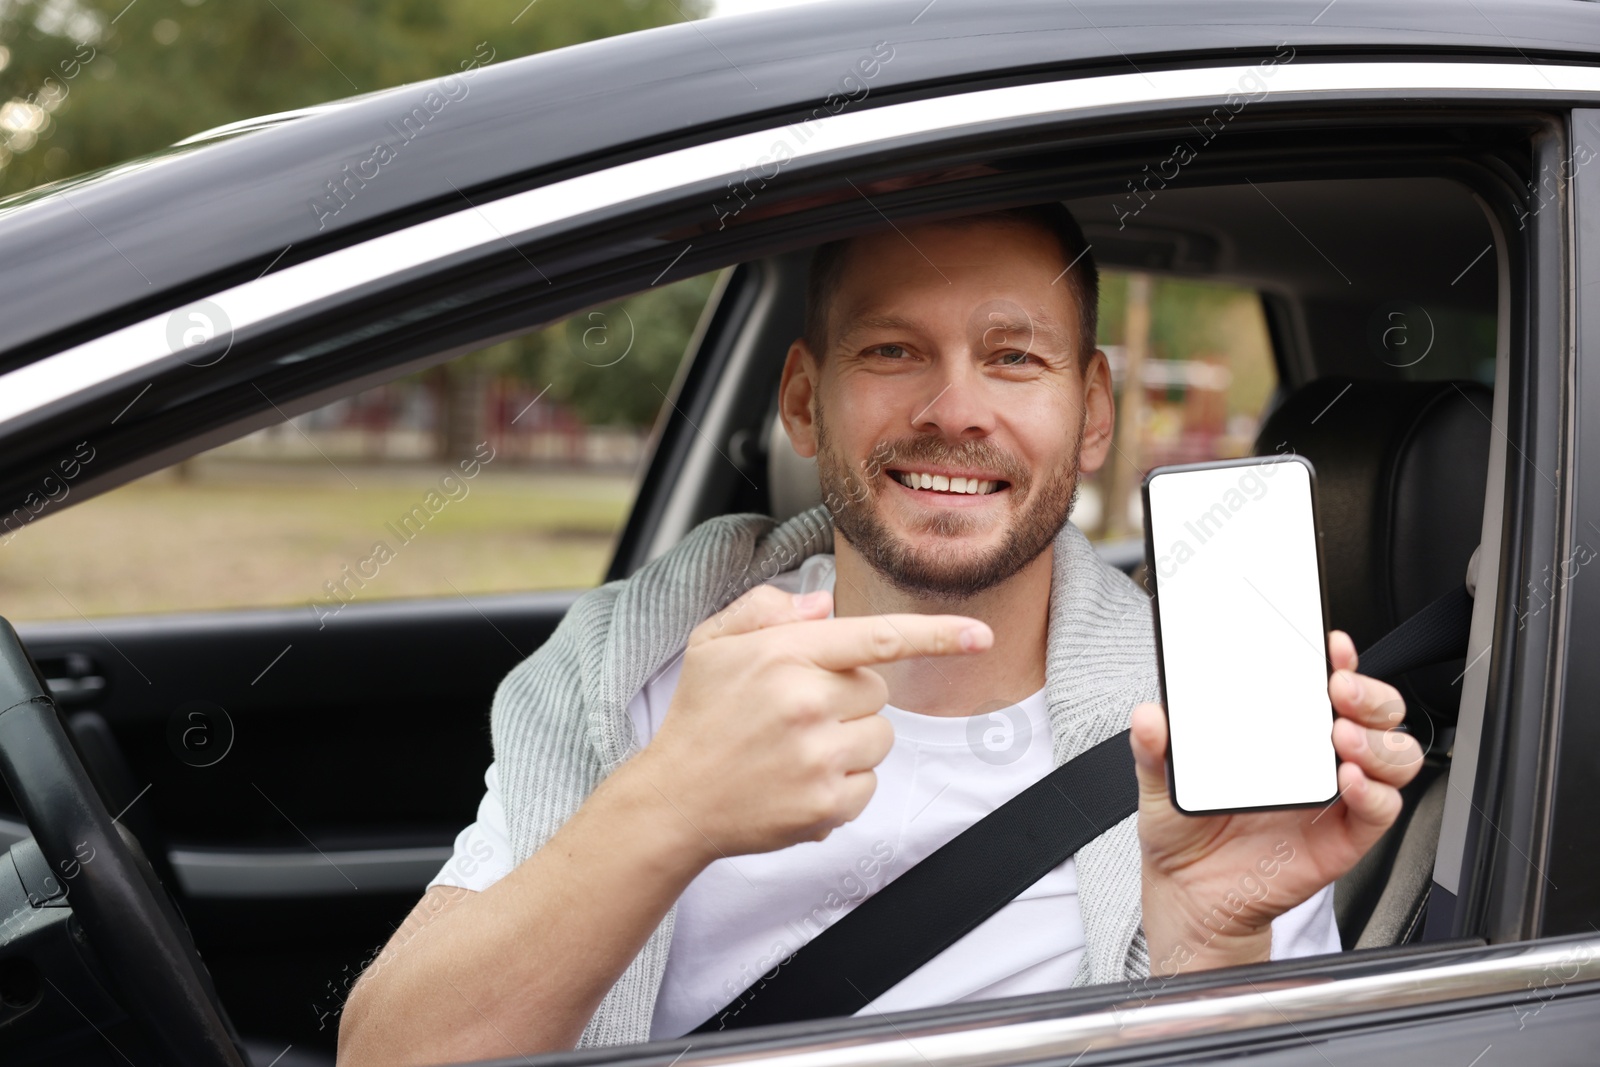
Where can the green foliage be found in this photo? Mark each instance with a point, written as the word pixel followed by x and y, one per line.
pixel 1191 318
pixel 1200 319
pixel 1187 318
pixel 613 363
pixel 88 83
pixel 1113 305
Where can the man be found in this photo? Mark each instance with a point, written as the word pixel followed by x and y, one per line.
pixel 702 768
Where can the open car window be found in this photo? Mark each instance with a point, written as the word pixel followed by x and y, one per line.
pixel 509 468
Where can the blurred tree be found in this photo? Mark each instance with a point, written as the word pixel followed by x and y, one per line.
pixel 1191 318
pixel 614 363
pixel 88 83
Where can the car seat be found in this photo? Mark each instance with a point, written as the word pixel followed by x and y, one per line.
pixel 1401 473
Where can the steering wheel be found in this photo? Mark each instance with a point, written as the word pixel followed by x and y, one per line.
pixel 130 923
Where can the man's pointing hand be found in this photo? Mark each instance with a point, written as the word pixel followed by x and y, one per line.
pixel 773 731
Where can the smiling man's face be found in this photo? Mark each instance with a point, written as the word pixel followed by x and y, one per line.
pixel 952 353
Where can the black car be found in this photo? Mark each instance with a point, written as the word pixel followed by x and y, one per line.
pixel 1362 167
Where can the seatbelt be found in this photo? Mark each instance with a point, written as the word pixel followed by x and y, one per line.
pixel 940 900
pixel 1436 634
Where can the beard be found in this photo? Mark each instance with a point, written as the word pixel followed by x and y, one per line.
pixel 931 567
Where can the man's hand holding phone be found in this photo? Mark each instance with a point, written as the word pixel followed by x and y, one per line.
pixel 1214 883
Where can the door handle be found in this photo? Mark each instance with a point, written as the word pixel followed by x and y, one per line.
pixel 74 678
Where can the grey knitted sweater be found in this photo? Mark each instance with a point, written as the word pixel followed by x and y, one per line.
pixel 560 724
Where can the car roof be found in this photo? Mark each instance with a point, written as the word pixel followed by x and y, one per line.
pixel 186 221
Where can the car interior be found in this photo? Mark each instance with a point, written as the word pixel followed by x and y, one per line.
pixel 368 746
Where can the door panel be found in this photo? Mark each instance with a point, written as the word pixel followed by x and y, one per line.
pixel 357 753
pixel 1446 1003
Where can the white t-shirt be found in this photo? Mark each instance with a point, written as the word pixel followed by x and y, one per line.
pixel 744 914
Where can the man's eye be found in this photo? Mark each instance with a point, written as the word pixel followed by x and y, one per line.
pixel 1022 357
pixel 892 351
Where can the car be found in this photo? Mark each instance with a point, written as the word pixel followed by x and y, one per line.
pixel 1406 189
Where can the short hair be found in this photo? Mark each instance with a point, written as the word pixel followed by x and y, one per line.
pixel 1083 277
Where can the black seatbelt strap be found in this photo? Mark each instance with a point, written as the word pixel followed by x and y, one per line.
pixel 1436 634
pixel 938 901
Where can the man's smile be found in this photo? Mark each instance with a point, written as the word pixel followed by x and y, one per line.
pixel 972 492
pixel 939 480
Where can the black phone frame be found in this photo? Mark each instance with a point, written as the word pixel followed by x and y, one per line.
pixel 1153 583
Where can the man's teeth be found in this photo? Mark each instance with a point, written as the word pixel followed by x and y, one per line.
pixel 943 484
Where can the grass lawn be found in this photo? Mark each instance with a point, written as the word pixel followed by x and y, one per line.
pixel 245 534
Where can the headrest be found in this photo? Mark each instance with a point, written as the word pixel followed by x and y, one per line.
pixel 1401 471
pixel 792 481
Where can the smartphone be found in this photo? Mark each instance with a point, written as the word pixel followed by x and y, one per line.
pixel 1234 554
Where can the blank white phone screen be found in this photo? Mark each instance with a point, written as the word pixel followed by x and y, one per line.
pixel 1242 637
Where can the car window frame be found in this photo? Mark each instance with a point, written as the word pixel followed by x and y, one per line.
pixel 1573 802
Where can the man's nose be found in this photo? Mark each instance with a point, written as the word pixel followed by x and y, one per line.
pixel 956 401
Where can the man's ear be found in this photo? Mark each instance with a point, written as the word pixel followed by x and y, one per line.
pixel 797 398
pixel 1100 413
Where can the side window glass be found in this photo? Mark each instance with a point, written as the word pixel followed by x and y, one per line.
pixel 1435 343
pixel 510 468
pixel 1192 371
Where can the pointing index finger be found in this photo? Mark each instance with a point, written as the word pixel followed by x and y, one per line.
pixel 862 640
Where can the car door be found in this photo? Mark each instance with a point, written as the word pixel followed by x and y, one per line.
pixel 381 646
pixel 325 772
